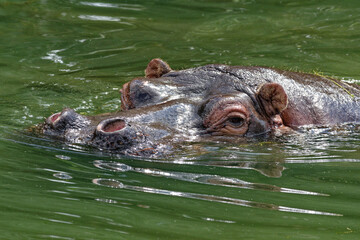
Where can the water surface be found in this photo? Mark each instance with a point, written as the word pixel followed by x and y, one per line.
pixel 77 54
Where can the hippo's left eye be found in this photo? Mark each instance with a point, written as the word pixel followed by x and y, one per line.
pixel 142 94
pixel 230 118
pixel 235 121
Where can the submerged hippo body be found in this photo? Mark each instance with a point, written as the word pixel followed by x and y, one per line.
pixel 169 106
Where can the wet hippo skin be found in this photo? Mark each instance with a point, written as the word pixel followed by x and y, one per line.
pixel 168 106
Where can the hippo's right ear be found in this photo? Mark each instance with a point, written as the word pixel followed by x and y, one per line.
pixel 156 68
pixel 272 98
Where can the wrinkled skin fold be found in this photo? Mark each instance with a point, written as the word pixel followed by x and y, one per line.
pixel 167 107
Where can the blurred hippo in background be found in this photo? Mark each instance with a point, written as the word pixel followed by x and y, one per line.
pixel 167 107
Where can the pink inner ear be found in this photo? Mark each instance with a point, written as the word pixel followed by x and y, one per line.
pixel 114 126
pixel 54 117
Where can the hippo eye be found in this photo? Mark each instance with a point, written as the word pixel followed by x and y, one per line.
pixel 227 116
pixel 235 121
pixel 143 96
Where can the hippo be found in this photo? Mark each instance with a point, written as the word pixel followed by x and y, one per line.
pixel 167 107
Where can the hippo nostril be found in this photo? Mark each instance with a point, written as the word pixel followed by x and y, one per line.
pixel 65 119
pixel 113 126
pixel 54 117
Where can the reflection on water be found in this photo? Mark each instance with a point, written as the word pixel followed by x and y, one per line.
pixel 116 184
pixel 305 148
pixel 302 148
pixel 106 18
pixel 199 178
pixel 270 169
pixel 124 6
pixel 203 179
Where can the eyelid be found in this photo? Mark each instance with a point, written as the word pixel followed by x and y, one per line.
pixel 216 120
pixel 234 115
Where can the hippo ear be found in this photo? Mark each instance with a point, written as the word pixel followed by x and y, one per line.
pixel 272 98
pixel 156 68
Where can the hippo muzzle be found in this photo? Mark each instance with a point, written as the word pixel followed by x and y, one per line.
pixel 144 131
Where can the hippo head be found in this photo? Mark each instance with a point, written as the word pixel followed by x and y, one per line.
pixel 167 107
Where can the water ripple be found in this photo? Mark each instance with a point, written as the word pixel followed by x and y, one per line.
pixel 57 221
pixel 244 203
pixel 56 237
pixel 62 175
pixel 218 220
pixel 133 7
pixel 56 180
pixel 107 18
pixel 67 214
pixel 112 50
pixel 201 178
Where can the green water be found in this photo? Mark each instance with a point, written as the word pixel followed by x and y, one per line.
pixel 77 54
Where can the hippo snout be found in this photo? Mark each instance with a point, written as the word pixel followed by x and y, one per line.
pixel 66 118
pixel 68 125
pixel 116 134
